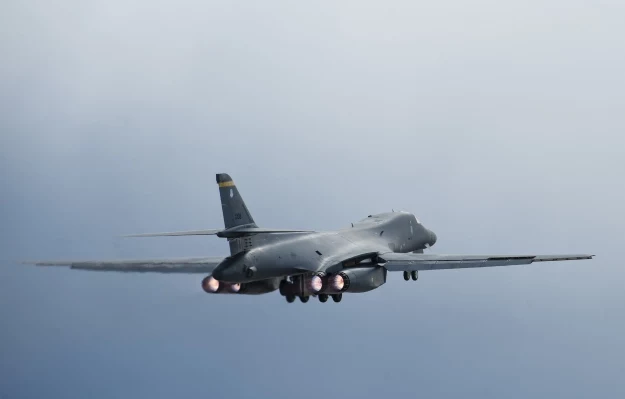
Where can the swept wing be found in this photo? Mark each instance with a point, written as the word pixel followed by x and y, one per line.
pixel 228 233
pixel 181 265
pixel 414 261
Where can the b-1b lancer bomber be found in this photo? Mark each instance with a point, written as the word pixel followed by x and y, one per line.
pixel 304 264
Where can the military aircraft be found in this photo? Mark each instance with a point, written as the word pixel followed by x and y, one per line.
pixel 304 264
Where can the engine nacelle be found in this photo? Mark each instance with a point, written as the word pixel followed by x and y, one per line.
pixel 355 279
pixel 305 285
pixel 260 287
pixel 211 285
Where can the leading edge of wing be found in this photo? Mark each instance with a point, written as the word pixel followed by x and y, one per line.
pixel 412 261
pixel 180 265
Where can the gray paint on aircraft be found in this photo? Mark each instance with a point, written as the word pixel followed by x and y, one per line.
pixel 392 241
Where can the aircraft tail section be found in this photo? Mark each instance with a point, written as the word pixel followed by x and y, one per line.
pixel 239 224
pixel 232 205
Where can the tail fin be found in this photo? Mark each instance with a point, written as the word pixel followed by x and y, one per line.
pixel 234 210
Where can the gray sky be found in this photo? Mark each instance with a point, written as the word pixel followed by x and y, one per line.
pixel 500 124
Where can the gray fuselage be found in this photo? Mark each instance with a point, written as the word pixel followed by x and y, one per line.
pixel 267 256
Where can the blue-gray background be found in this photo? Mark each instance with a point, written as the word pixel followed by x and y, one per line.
pixel 498 123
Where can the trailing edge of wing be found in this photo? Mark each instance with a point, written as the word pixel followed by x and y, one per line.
pixel 182 265
pixel 412 261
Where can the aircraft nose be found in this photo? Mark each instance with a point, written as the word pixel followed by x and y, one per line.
pixel 433 237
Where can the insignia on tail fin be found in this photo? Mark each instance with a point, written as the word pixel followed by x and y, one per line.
pixel 232 205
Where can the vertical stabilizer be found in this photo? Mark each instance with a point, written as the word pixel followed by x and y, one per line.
pixel 234 210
